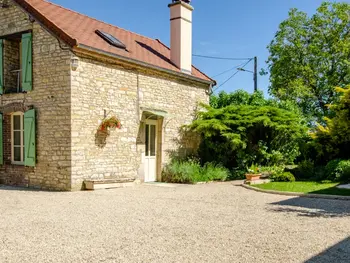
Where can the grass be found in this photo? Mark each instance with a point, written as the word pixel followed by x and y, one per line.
pixel 305 187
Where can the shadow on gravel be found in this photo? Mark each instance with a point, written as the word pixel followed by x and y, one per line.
pixel 25 189
pixel 313 207
pixel 339 253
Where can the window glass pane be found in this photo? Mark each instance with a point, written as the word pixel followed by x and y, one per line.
pixel 16 122
pixel 147 140
pixel 17 138
pixel 153 140
pixel 17 154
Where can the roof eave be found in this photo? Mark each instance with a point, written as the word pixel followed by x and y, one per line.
pixel 144 64
pixel 47 23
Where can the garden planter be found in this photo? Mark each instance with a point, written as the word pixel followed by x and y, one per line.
pixel 253 177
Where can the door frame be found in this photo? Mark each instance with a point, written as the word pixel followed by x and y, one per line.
pixel 155 123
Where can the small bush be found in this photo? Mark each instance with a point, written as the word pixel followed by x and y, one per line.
pixel 338 170
pixel 304 171
pixel 283 177
pixel 271 170
pixel 190 172
pixel 214 172
pixel 320 174
pixel 330 169
pixel 237 174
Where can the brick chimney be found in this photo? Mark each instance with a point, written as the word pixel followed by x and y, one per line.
pixel 181 34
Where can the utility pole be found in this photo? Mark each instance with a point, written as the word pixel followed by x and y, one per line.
pixel 255 74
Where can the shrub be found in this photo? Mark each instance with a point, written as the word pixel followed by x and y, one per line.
pixel 271 170
pixel 181 172
pixel 237 174
pixel 343 171
pixel 214 172
pixel 304 170
pixel 283 177
pixel 330 169
pixel 239 135
pixel 191 172
pixel 338 170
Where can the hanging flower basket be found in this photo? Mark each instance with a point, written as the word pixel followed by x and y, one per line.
pixel 110 123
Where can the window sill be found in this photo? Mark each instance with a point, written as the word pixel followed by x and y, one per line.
pixel 14 91
pixel 18 163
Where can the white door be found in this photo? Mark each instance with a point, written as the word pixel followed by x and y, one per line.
pixel 151 151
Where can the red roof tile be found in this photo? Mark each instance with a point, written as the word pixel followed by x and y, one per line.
pixel 77 29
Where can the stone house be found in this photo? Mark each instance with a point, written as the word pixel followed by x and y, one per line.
pixel 64 75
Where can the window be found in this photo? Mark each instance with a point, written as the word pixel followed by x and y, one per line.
pixel 111 39
pixel 16 63
pixel 17 138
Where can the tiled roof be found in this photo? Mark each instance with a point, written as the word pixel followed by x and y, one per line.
pixel 77 29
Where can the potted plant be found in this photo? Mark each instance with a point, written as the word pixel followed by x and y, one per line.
pixel 253 173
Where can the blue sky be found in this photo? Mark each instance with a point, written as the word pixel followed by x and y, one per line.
pixel 227 28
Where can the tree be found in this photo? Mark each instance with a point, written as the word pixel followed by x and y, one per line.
pixel 242 97
pixel 239 97
pixel 333 140
pixel 239 135
pixel 311 55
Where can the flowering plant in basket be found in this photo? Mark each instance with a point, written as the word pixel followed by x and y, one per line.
pixel 112 122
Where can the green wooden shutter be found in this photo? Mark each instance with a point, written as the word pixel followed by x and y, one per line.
pixel 27 58
pixel 29 138
pixel 1 142
pixel 1 66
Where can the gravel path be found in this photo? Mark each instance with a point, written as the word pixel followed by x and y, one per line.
pixel 147 223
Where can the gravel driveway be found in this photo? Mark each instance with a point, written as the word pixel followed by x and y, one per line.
pixel 148 223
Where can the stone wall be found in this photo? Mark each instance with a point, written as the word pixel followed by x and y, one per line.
pixel 51 99
pixel 99 87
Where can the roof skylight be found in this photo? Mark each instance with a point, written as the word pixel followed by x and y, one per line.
pixel 110 39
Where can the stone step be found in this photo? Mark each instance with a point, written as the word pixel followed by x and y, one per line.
pixel 108 183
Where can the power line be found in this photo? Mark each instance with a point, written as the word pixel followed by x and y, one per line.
pixel 222 58
pixel 234 74
pixel 222 73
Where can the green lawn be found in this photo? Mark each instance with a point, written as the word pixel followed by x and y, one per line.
pixel 305 187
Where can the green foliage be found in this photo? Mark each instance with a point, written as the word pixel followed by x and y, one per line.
pixel 333 140
pixel 309 56
pixel 237 174
pixel 239 135
pixel 242 97
pixel 190 172
pixel 331 167
pixel 181 172
pixel 272 170
pixel 283 177
pixel 213 172
pixel 253 169
pixel 239 97
pixel 305 170
pixel 338 170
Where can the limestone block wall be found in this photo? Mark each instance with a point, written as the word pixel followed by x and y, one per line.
pixel 180 100
pixel 99 87
pixel 51 99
